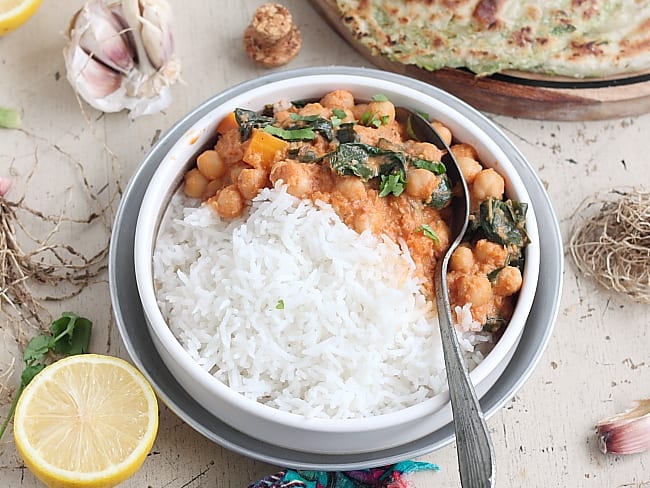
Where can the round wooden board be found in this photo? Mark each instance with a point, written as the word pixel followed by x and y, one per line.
pixel 519 94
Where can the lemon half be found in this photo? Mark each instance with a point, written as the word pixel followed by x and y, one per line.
pixel 14 13
pixel 86 421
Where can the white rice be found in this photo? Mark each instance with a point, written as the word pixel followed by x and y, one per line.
pixel 291 308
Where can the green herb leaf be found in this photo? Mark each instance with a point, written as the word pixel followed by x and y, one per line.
pixel 352 159
pixel 70 335
pixel 247 120
pixel 380 97
pixel 436 167
pixel 36 348
pixel 428 232
pixel 340 113
pixel 280 304
pixel 335 121
pixel 306 134
pixel 29 372
pixel 442 195
pixel 9 118
pixel 392 184
pixel 504 222
pixel 303 118
pixel 346 133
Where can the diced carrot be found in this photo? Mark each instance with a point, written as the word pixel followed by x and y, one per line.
pixel 227 123
pixel 263 149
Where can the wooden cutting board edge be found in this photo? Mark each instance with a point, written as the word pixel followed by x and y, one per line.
pixel 510 97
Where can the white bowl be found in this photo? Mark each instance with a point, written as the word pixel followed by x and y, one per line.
pixel 328 436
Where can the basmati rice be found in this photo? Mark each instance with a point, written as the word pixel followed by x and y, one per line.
pixel 290 307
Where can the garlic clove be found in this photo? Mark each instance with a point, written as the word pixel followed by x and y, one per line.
pixel 628 432
pixel 120 56
pixel 103 35
pixel 157 36
pixel 89 77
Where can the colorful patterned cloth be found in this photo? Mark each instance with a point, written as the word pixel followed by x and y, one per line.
pixel 384 477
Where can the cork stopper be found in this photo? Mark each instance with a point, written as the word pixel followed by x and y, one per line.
pixel 272 39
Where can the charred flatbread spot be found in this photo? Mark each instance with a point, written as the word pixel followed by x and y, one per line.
pixel 580 49
pixel 521 37
pixel 486 12
pixel 591 7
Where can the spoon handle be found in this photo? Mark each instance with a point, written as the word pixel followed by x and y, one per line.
pixel 474 446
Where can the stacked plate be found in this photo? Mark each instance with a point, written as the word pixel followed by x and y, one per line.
pixel 142 345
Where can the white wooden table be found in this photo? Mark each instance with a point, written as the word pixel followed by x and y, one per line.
pixel 597 362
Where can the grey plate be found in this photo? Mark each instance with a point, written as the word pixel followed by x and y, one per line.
pixel 131 322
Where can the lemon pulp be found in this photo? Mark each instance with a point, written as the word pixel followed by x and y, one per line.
pixel 86 421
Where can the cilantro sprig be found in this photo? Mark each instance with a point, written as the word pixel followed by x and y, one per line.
pixel 70 335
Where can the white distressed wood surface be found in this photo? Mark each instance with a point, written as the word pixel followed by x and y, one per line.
pixel 597 361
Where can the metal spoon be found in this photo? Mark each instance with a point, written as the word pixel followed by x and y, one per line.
pixel 475 451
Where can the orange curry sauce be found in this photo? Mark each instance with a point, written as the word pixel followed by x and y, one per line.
pixel 229 176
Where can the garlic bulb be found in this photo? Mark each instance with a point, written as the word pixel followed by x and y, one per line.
pixel 120 55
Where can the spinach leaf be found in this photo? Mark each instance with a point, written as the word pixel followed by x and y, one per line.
pixel 442 195
pixel 314 122
pixel 352 159
pixel 346 133
pixel 247 120
pixel 504 222
pixel 436 167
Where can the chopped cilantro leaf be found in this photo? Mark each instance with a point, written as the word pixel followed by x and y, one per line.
pixel 380 97
pixel 428 232
pixel 392 184
pixel 306 134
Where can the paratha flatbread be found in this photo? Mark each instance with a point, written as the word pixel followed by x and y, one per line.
pixel 575 38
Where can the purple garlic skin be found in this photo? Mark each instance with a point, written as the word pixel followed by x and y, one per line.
pixel 627 432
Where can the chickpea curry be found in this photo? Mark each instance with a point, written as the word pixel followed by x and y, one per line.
pixel 377 177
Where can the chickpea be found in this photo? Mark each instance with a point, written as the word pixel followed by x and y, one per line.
pixel 228 203
pixel 490 254
pixel 295 175
pixel 359 109
pixel 421 183
pixel 211 165
pixel 443 132
pixel 470 167
pixel 474 289
pixel 338 99
pixel 315 109
pixel 508 281
pixel 212 188
pixel 351 187
pixel 195 183
pixel 488 183
pixel 250 181
pixel 462 260
pixel 283 116
pixel 383 109
pixel 237 168
pixel 424 150
pixel 464 150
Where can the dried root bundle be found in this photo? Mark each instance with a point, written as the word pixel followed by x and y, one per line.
pixel 612 243
pixel 60 268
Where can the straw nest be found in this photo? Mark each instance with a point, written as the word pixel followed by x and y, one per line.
pixel 611 242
